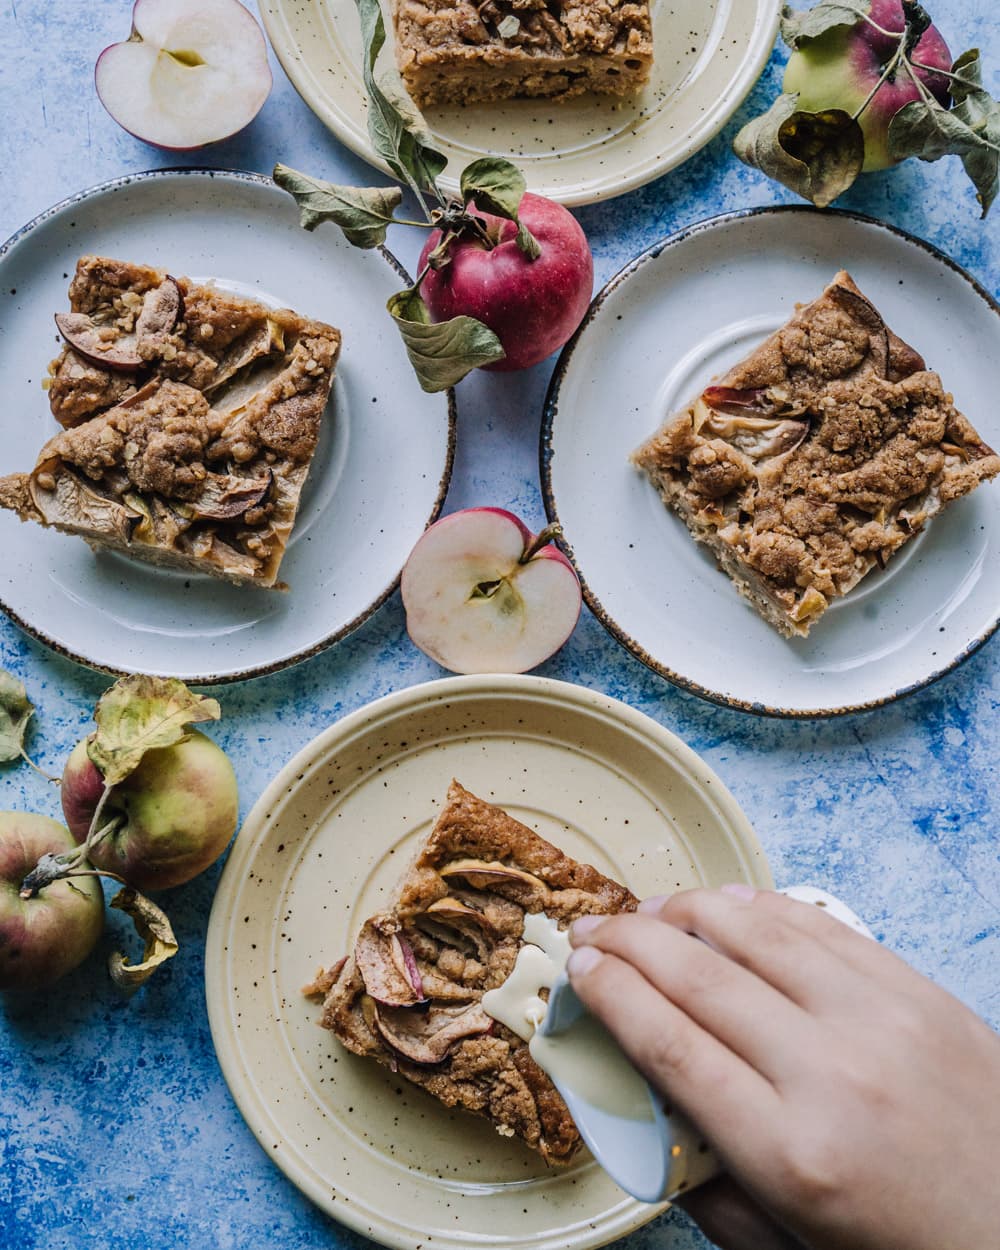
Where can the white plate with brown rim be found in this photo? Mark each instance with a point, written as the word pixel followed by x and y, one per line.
pixel 707 56
pixel 321 850
pixel 681 314
pixel 362 510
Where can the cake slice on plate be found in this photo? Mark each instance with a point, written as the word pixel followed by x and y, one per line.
pixel 192 417
pixel 816 458
pixel 458 52
pixel 410 993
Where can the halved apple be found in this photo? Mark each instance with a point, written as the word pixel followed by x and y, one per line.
pixel 485 595
pixel 191 72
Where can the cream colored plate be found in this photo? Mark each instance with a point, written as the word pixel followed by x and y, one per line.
pixel 322 849
pixel 708 54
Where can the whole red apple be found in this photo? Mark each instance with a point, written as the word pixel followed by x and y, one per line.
pixel 42 938
pixel 840 68
pixel 532 306
pixel 175 813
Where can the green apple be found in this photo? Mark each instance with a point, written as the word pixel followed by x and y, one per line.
pixel 840 68
pixel 169 819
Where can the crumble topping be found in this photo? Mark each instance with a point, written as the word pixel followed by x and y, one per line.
pixel 816 458
pixel 409 994
pixel 459 51
pixel 190 417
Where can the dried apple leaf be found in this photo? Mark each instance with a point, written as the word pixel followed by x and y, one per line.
pixel 16 709
pixel 363 213
pixel 970 130
pixel 497 187
pixel 442 352
pixel 159 943
pixel 811 23
pixel 816 155
pixel 139 714
pixel 395 127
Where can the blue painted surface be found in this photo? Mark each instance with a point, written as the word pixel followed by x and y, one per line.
pixel 116 1128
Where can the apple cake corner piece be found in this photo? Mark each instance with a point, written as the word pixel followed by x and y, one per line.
pixel 409 995
pixel 190 447
pixel 816 458
pixel 459 52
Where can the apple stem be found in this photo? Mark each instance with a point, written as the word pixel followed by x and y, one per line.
pixel 95 832
pixel 891 66
pixel 541 539
pixel 41 771
pixel 891 34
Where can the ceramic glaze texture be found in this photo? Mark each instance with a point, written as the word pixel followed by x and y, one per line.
pixel 116 1126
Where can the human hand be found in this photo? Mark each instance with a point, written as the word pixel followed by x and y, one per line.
pixel 855 1105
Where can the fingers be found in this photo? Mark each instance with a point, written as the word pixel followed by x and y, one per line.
pixel 719 1091
pixel 731 1219
pixel 795 947
pixel 750 1017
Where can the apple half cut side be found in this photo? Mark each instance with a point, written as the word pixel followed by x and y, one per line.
pixel 192 72
pixel 484 595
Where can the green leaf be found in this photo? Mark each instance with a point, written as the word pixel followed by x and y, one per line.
pixel 816 155
pixel 811 23
pixel 395 127
pixel 139 714
pixel 159 943
pixel 16 709
pixel 970 130
pixel 363 213
pixel 495 184
pixel 497 187
pixel 442 352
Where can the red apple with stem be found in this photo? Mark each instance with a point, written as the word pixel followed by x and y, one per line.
pixel 485 595
pixel 865 67
pixel 532 306
pixel 45 936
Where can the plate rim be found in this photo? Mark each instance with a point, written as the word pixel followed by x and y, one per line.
pixel 251 177
pixel 546 455
pixel 253 831
pixel 271 14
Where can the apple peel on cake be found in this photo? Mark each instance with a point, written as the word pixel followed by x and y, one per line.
pixel 816 458
pixel 191 419
pixel 410 993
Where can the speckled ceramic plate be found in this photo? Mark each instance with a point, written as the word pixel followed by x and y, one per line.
pixel 320 852
pixel 361 511
pixel 708 54
pixel 681 314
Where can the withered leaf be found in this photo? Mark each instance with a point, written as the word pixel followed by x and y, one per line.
pixel 363 213
pixel 816 155
pixel 139 714
pixel 810 23
pixel 441 352
pixel 16 709
pixel 159 943
pixel 970 130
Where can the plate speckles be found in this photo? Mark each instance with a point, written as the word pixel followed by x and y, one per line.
pixel 586 149
pixel 120 615
pixel 320 851
pixel 671 320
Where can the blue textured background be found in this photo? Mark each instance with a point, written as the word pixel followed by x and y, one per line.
pixel 116 1128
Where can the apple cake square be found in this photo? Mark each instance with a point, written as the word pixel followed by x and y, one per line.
pixel 191 419
pixel 410 994
pixel 816 458
pixel 460 52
